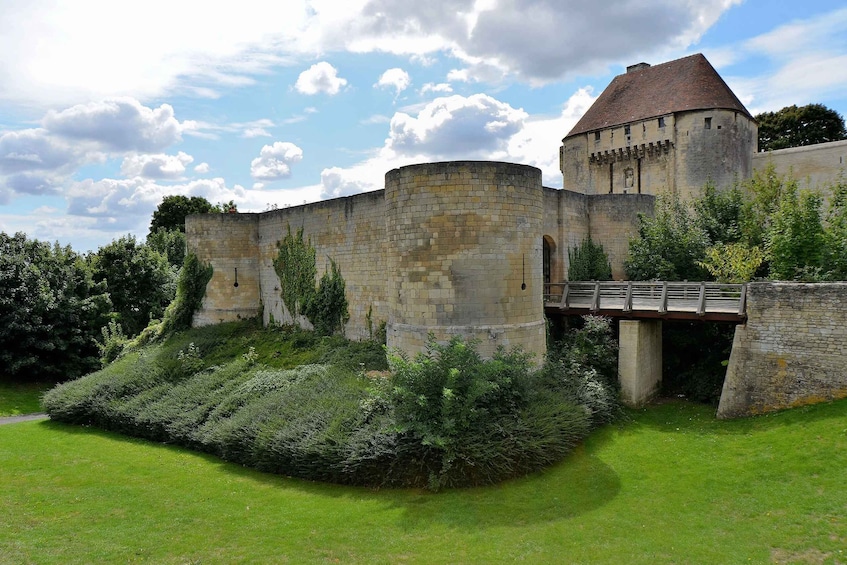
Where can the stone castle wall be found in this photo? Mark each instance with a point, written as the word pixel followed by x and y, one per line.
pixel 791 350
pixel 614 220
pixel 713 146
pixel 814 166
pixel 464 255
pixel 228 242
pixel 676 154
pixel 351 232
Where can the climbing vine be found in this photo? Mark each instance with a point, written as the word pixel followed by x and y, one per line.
pixel 295 267
pixel 325 306
pixel 190 290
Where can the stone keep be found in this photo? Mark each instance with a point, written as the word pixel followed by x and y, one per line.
pixel 668 128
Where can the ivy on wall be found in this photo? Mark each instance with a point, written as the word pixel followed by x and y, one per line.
pixel 190 290
pixel 325 306
pixel 295 267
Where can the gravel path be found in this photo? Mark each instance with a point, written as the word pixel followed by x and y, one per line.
pixel 22 418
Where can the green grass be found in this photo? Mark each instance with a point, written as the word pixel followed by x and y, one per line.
pixel 21 398
pixel 671 485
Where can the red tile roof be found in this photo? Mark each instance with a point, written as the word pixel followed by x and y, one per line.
pixel 690 83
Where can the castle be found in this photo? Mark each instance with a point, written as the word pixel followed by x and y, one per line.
pixel 465 247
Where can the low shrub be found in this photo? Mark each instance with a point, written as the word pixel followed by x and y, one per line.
pixel 447 418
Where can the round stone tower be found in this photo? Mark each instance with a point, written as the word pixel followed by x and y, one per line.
pixel 464 244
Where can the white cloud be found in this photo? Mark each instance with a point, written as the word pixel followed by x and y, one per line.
pixel 255 132
pixel 513 137
pixel 121 124
pixel 274 161
pixel 335 182
pixel 320 78
pixel 35 150
pixel 59 53
pixel 395 78
pixel 376 119
pixel 441 87
pixel 456 127
pixel 68 52
pixel 459 75
pixel 799 63
pixel 202 168
pixel 537 143
pixel 158 166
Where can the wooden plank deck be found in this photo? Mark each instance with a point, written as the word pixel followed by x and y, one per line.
pixel 655 299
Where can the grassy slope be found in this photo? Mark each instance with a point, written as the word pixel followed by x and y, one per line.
pixel 21 398
pixel 670 486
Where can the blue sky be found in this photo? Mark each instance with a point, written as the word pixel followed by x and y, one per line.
pixel 106 107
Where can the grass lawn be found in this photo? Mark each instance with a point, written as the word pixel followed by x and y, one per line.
pixel 21 398
pixel 671 485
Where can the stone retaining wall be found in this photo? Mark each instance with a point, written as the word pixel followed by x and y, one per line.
pixel 791 351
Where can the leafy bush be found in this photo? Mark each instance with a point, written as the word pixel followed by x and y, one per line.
pixel 51 311
pixel 589 262
pixel 325 306
pixel 447 418
pixel 190 290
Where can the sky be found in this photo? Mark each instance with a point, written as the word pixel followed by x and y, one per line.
pixel 107 107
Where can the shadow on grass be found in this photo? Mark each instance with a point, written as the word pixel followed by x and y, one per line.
pixel 578 484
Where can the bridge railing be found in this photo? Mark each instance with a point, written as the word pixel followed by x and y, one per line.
pixel 661 297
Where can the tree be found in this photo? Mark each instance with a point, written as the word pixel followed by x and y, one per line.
pixel 170 243
pixel 51 311
pixel 795 242
pixel 669 246
pixel 835 233
pixel 139 280
pixel 171 213
pixel 797 126
pixel 589 262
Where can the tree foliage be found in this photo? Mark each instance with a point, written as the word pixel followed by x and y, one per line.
pixel 669 246
pixel 190 290
pixel 325 306
pixel 51 311
pixel 171 213
pixel 139 280
pixel 764 227
pixel 795 126
pixel 588 262
pixel 170 243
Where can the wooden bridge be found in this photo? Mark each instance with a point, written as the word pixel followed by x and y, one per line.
pixel 643 300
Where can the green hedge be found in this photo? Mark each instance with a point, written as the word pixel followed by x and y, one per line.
pixel 444 419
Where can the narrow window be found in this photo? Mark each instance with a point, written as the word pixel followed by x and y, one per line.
pixel 708 123
pixel 662 122
pixel 626 130
pixel 596 136
pixel 611 177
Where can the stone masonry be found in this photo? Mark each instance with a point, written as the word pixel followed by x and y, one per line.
pixel 790 352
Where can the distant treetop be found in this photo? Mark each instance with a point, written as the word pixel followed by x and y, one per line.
pixel 798 126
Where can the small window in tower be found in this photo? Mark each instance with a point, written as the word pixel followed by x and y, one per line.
pixel 626 130
pixel 708 123
pixel 596 136
pixel 662 122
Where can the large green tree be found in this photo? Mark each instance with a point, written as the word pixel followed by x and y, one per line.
pixel 51 311
pixel 171 213
pixel 140 281
pixel 795 126
pixel 670 246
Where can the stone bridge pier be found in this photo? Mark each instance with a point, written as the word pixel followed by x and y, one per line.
pixel 639 360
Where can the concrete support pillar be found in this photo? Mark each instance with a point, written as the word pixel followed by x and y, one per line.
pixel 640 360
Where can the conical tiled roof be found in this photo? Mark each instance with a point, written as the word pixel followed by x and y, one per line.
pixel 690 83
